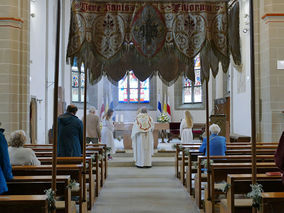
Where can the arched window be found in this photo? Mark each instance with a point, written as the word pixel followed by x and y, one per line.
pixel 78 83
pixel 131 90
pixel 192 91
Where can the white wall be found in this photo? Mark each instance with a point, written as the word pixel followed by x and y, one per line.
pixel 240 82
pixel 37 62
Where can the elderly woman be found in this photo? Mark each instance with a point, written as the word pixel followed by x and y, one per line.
pixel 18 154
pixel 217 143
pixel 186 128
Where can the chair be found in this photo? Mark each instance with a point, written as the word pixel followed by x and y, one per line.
pixel 174 131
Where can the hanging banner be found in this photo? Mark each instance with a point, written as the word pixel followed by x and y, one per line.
pixel 164 37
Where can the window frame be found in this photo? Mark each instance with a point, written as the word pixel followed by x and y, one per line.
pixel 138 88
pixel 152 105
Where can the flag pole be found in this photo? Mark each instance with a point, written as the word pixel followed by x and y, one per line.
pixel 55 101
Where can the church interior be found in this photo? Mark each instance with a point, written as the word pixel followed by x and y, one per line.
pixel 223 61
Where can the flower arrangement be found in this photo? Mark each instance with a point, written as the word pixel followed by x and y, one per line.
pixel 255 194
pixel 163 118
pixel 50 196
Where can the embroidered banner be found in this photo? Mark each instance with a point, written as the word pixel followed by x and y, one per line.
pixel 149 37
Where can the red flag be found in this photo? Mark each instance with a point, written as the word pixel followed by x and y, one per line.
pixel 102 110
pixel 169 110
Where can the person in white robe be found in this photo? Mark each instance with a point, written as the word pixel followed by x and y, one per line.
pixel 107 131
pixel 186 128
pixel 17 153
pixel 142 139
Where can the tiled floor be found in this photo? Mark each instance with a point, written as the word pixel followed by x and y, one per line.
pixel 133 190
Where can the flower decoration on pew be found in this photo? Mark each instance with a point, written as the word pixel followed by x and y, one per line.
pixel 204 163
pixel 50 196
pixel 175 146
pixel 163 118
pixel 74 186
pixel 108 149
pixel 255 194
pixel 223 186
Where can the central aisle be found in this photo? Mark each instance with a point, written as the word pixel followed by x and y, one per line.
pixel 133 190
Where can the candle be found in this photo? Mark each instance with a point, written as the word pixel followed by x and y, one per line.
pixel 116 118
pixel 121 118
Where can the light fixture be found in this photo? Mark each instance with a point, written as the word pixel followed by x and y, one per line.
pixel 246 23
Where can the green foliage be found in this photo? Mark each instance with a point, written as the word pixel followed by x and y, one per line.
pixel 163 118
pixel 255 194
pixel 50 194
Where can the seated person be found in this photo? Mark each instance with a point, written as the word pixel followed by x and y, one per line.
pixel 5 166
pixel 217 143
pixel 18 154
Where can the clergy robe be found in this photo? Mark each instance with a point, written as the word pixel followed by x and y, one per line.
pixel 5 166
pixel 185 132
pixel 142 140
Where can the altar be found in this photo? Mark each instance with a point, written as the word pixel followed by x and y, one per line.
pixel 126 127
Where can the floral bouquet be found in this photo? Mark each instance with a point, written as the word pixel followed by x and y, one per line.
pixel 163 118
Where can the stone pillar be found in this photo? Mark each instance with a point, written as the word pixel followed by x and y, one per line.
pixel 14 63
pixel 269 42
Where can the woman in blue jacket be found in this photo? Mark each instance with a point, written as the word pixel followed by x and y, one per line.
pixel 5 166
pixel 217 143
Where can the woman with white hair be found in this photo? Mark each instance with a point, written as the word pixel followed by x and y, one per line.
pixel 18 154
pixel 186 128
pixel 217 143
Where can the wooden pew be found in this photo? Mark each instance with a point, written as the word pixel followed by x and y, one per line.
pixel 92 184
pixel 220 171
pixel 272 202
pixel 24 203
pixel 199 178
pixel 240 185
pixel 35 185
pixel 75 171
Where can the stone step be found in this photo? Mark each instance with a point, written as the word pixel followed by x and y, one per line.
pixel 158 154
pixel 129 161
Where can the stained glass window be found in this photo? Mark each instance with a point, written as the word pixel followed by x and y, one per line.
pixel 192 91
pixel 131 90
pixel 78 83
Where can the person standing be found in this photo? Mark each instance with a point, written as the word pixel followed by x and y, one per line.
pixel 107 131
pixel 93 127
pixel 186 128
pixel 142 139
pixel 5 166
pixel 70 134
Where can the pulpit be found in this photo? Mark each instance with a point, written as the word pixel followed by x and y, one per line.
pixel 126 127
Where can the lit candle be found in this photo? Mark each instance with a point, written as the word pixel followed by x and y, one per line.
pixel 116 118
pixel 121 118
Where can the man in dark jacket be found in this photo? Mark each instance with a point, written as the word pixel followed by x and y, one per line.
pixel 5 166
pixel 70 134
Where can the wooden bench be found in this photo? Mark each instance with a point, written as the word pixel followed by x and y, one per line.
pixel 272 202
pixel 93 183
pixel 35 185
pixel 239 184
pixel 75 171
pixel 23 203
pixel 199 178
pixel 220 171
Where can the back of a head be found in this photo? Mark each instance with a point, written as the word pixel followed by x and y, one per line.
pixel 108 114
pixel 214 129
pixel 72 109
pixel 18 138
pixel 188 119
pixel 143 110
pixel 92 110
